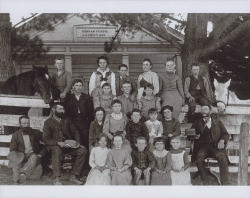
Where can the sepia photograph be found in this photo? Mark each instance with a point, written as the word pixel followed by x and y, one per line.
pixel 156 100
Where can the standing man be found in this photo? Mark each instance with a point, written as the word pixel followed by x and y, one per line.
pixel 196 90
pixel 79 108
pixel 123 77
pixel 211 142
pixel 61 80
pixel 25 152
pixel 56 130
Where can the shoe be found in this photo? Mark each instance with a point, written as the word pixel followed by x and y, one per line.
pixel 22 179
pixel 57 181
pixel 74 180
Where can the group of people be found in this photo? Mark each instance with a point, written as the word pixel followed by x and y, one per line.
pixel 129 132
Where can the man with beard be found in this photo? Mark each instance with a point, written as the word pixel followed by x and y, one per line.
pixel 57 131
pixel 25 152
pixel 211 142
pixel 79 108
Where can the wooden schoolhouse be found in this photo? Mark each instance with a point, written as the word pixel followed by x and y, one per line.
pixel 80 42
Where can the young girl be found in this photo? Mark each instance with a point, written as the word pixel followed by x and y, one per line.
pixel 119 163
pixel 154 126
pixel 180 163
pixel 161 172
pixel 148 101
pixel 99 174
pixel 115 123
pixel 104 98
pixel 96 127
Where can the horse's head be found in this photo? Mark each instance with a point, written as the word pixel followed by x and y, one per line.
pixel 42 83
pixel 221 94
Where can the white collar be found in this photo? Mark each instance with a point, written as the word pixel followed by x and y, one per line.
pixel 209 123
pixel 154 122
pixel 103 72
pixel 160 153
pixel 117 116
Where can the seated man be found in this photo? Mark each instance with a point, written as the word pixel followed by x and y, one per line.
pixel 25 152
pixel 56 130
pixel 196 90
pixel 212 138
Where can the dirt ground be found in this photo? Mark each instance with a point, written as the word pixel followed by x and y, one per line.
pixel 46 179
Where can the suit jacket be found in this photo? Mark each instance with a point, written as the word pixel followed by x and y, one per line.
pixel 84 104
pixel 54 132
pixel 17 143
pixel 118 84
pixel 218 130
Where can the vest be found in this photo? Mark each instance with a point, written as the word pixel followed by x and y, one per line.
pixel 100 78
pixel 206 136
pixel 194 83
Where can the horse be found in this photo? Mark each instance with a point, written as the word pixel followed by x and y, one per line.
pixel 225 97
pixel 27 83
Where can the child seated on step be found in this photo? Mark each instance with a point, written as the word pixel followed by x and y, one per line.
pixel 61 81
pixel 154 126
pixel 99 173
pixel 115 123
pixel 96 127
pixel 180 163
pixel 135 128
pixel 161 171
pixel 104 98
pixel 128 101
pixel 119 163
pixel 143 162
pixel 148 101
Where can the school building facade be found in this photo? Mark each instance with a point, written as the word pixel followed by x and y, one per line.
pixel 80 42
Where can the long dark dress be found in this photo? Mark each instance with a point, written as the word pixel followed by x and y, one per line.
pixel 162 163
pixel 171 92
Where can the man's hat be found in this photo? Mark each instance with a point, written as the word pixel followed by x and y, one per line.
pixel 15 158
pixel 72 143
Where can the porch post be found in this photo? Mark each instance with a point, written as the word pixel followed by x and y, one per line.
pixel 68 60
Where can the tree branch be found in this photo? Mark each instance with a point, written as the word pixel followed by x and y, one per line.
pixel 175 19
pixel 162 32
pixel 25 19
pixel 229 37
pixel 221 26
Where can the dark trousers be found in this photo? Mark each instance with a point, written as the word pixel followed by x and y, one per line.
pixel 83 127
pixel 79 154
pixel 209 150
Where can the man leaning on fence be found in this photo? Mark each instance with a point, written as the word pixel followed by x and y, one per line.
pixel 61 136
pixel 26 151
pixel 211 142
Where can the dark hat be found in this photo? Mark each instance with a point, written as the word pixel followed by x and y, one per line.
pixel 15 158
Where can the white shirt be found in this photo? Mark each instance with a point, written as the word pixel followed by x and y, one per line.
pixel 209 123
pixel 27 144
pixel 98 156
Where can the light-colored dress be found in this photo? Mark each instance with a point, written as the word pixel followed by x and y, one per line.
pixel 146 103
pixel 183 177
pixel 149 77
pixel 163 162
pixel 114 123
pixel 171 92
pixel 98 157
pixel 97 78
pixel 155 130
pixel 120 158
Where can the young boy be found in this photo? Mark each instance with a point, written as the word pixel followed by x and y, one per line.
pixel 123 77
pixel 61 80
pixel 128 100
pixel 135 128
pixel 148 101
pixel 154 126
pixel 143 161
